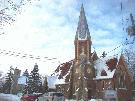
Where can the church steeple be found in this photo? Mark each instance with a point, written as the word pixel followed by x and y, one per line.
pixel 82 38
pixel 83 65
pixel 82 32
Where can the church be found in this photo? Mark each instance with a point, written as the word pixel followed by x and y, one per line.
pixel 88 76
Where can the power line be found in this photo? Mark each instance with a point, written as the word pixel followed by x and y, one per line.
pixel 126 42
pixel 26 56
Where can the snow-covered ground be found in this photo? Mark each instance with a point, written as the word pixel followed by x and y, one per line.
pixel 9 97
pixel 83 100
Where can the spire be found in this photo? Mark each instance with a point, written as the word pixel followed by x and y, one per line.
pixel 82 32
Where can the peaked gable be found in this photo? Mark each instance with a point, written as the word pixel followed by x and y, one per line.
pixel 104 70
pixel 122 64
pixel 94 56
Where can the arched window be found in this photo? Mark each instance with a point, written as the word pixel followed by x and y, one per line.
pixel 124 82
pixel 134 81
pixel 96 72
pixel 103 84
pixel 121 81
pixel 103 73
pixel 114 86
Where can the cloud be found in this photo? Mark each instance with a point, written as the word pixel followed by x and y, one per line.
pixel 47 28
pixel 38 31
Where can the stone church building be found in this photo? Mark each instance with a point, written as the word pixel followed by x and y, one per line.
pixel 89 77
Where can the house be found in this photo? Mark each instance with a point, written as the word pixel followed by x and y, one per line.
pixel 22 82
pixel 114 77
pixel 87 76
pixel 15 77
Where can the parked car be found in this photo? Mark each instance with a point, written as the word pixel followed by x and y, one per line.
pixel 30 97
pixel 52 96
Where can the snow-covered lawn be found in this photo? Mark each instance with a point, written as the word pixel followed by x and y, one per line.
pixel 9 97
pixel 83 100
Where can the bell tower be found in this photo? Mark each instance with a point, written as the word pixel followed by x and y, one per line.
pixel 83 69
pixel 82 37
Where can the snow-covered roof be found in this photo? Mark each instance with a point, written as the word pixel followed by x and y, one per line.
pixel 101 65
pixel 83 100
pixel 60 81
pixel 106 77
pixel 22 80
pixel 105 68
pixel 51 81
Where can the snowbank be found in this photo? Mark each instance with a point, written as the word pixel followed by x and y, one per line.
pixel 83 100
pixel 9 97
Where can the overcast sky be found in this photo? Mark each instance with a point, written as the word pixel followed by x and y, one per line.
pixel 47 28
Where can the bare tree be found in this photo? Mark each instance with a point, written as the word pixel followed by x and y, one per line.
pixel 9 9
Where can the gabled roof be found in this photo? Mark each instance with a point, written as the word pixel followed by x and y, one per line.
pixel 110 65
pixel 105 67
pixel 122 65
pixel 106 64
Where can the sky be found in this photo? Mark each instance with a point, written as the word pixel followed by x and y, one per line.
pixel 47 28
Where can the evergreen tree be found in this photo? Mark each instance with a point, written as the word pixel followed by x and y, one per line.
pixel 37 83
pixel 45 87
pixel 29 86
pixel 34 84
pixel 25 90
pixel 26 73
pixel 8 82
pixel 1 82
